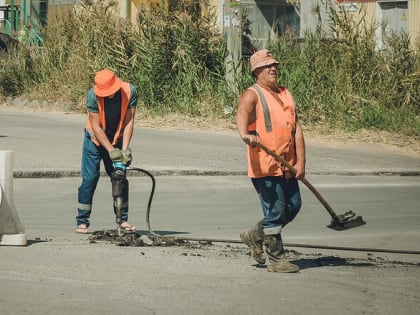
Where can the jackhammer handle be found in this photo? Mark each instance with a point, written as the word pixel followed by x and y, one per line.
pixel 281 159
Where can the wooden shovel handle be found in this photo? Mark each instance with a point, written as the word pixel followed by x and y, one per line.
pixel 281 159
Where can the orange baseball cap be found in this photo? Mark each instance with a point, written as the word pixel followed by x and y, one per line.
pixel 106 83
pixel 262 58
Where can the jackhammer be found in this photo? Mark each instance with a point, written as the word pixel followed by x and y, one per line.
pixel 119 189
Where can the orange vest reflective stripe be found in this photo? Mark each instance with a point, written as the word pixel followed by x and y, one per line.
pixel 125 100
pixel 275 126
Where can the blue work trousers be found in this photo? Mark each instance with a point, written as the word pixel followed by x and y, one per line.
pixel 90 172
pixel 280 201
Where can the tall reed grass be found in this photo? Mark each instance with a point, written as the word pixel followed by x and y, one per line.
pixel 177 62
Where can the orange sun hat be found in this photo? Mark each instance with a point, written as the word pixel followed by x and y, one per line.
pixel 106 83
pixel 262 58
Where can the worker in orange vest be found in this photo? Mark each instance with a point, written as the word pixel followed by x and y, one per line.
pixel 267 115
pixel 111 107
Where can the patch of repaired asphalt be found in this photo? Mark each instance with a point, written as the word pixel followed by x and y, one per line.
pixel 203 248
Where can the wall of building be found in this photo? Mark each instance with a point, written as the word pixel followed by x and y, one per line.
pixel 310 11
pixel 374 12
pixel 2 2
pixel 263 13
pixel 137 5
pixel 2 16
pixel 414 23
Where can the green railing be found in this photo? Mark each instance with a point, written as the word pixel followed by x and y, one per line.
pixel 21 24
pixel 10 18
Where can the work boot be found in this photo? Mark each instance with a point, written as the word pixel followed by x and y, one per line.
pixel 276 257
pixel 254 240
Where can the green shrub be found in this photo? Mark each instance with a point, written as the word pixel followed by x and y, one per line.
pixel 177 62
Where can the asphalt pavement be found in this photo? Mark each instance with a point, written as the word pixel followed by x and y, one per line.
pixel 48 144
pixel 203 191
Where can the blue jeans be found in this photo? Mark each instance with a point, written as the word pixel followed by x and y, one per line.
pixel 90 172
pixel 280 200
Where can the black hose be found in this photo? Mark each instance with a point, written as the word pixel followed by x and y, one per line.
pixel 344 248
pixel 152 192
pixel 357 249
pixel 200 239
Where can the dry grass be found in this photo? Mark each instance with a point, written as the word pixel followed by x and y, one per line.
pixel 400 142
pixel 183 122
pixel 394 141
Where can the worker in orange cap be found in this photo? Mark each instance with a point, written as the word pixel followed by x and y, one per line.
pixel 111 107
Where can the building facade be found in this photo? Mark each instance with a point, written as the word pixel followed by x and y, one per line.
pixel 245 21
pixel 388 17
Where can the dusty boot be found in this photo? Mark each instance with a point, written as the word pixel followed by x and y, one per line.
pixel 254 240
pixel 276 257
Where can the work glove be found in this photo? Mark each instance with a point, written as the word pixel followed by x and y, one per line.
pixel 127 156
pixel 117 158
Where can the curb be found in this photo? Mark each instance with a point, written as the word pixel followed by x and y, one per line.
pixel 69 174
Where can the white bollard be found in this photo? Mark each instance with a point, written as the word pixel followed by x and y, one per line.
pixel 12 232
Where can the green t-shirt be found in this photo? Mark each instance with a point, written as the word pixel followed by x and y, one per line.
pixel 112 107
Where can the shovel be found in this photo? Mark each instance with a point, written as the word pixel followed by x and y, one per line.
pixel 340 222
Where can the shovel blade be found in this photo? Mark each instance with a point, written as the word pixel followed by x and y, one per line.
pixel 346 221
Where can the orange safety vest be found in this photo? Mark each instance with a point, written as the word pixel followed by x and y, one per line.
pixel 275 126
pixel 125 100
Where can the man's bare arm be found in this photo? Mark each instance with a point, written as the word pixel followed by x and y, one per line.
pixel 246 115
pixel 300 152
pixel 99 133
pixel 129 127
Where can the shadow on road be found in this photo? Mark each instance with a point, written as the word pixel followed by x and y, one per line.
pixel 35 241
pixel 329 261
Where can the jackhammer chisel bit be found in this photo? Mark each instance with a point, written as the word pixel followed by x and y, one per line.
pixel 118 180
